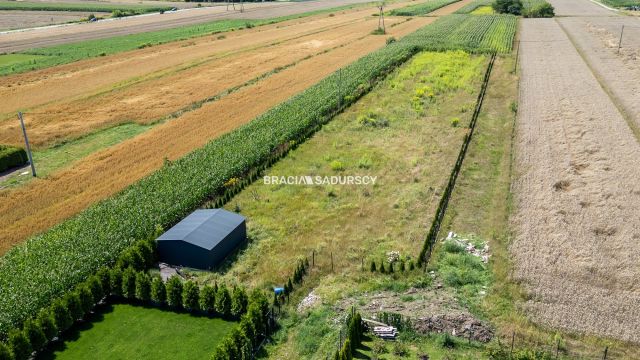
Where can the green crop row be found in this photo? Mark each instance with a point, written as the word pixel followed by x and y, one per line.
pixel 422 8
pixel 467 9
pixel 11 157
pixel 50 6
pixel 50 264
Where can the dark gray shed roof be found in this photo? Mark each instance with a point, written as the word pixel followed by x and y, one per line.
pixel 204 228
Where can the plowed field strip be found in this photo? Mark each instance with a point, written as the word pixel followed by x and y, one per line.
pixel 43 203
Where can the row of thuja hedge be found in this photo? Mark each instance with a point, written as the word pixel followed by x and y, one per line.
pixel 11 157
pixel 353 339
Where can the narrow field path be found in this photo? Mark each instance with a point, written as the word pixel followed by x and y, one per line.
pixel 43 203
pixel 577 218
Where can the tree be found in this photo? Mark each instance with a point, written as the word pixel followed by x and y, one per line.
pixel 508 7
pixel 223 301
pixel 248 329
pixel 158 291
pixel 95 285
pixel 105 280
pixel 382 269
pixel 5 353
pixel 190 296
pixel 143 287
pixel 239 301
pixel 61 316
pixel 115 281
pixel 34 333
pixel 46 323
pixel 373 267
pixel 86 299
pixel 207 299
pixel 401 266
pixel 19 345
pixel 74 305
pixel 174 292
pixel 129 283
pixel 411 265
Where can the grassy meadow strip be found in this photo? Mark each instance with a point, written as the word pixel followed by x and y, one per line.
pixel 48 265
pixel 84 7
pixel 422 8
pixel 41 58
pixel 469 8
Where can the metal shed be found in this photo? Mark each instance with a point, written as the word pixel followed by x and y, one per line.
pixel 203 239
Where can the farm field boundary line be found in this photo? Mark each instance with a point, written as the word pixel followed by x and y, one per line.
pixel 425 253
pixel 175 70
pixel 34 274
pixel 635 128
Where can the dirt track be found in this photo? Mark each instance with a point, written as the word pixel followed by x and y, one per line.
pixel 17 41
pixel 577 221
pixel 106 172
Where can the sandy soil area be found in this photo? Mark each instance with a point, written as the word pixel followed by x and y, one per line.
pixel 597 39
pixel 577 219
pixel 45 202
pixel 16 41
pixel 578 8
pixel 221 64
pixel 10 20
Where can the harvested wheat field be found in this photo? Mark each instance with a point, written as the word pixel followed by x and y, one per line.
pixel 577 219
pixel 106 172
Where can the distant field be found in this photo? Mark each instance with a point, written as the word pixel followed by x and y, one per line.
pixel 135 332
pixel 422 8
pixel 469 8
pixel 86 7
pixel 483 10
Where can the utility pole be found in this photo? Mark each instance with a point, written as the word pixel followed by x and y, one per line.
pixel 26 141
pixel 620 41
pixel 381 18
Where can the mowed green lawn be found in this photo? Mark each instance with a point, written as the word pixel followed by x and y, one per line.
pixel 135 332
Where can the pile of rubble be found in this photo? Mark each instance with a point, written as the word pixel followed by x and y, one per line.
pixel 481 251
pixel 460 325
pixel 308 302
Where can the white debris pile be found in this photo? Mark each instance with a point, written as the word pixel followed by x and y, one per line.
pixel 308 302
pixel 393 256
pixel 480 250
pixel 167 271
pixel 386 332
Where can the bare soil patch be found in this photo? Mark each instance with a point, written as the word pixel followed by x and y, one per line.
pixel 577 219
pixel 579 8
